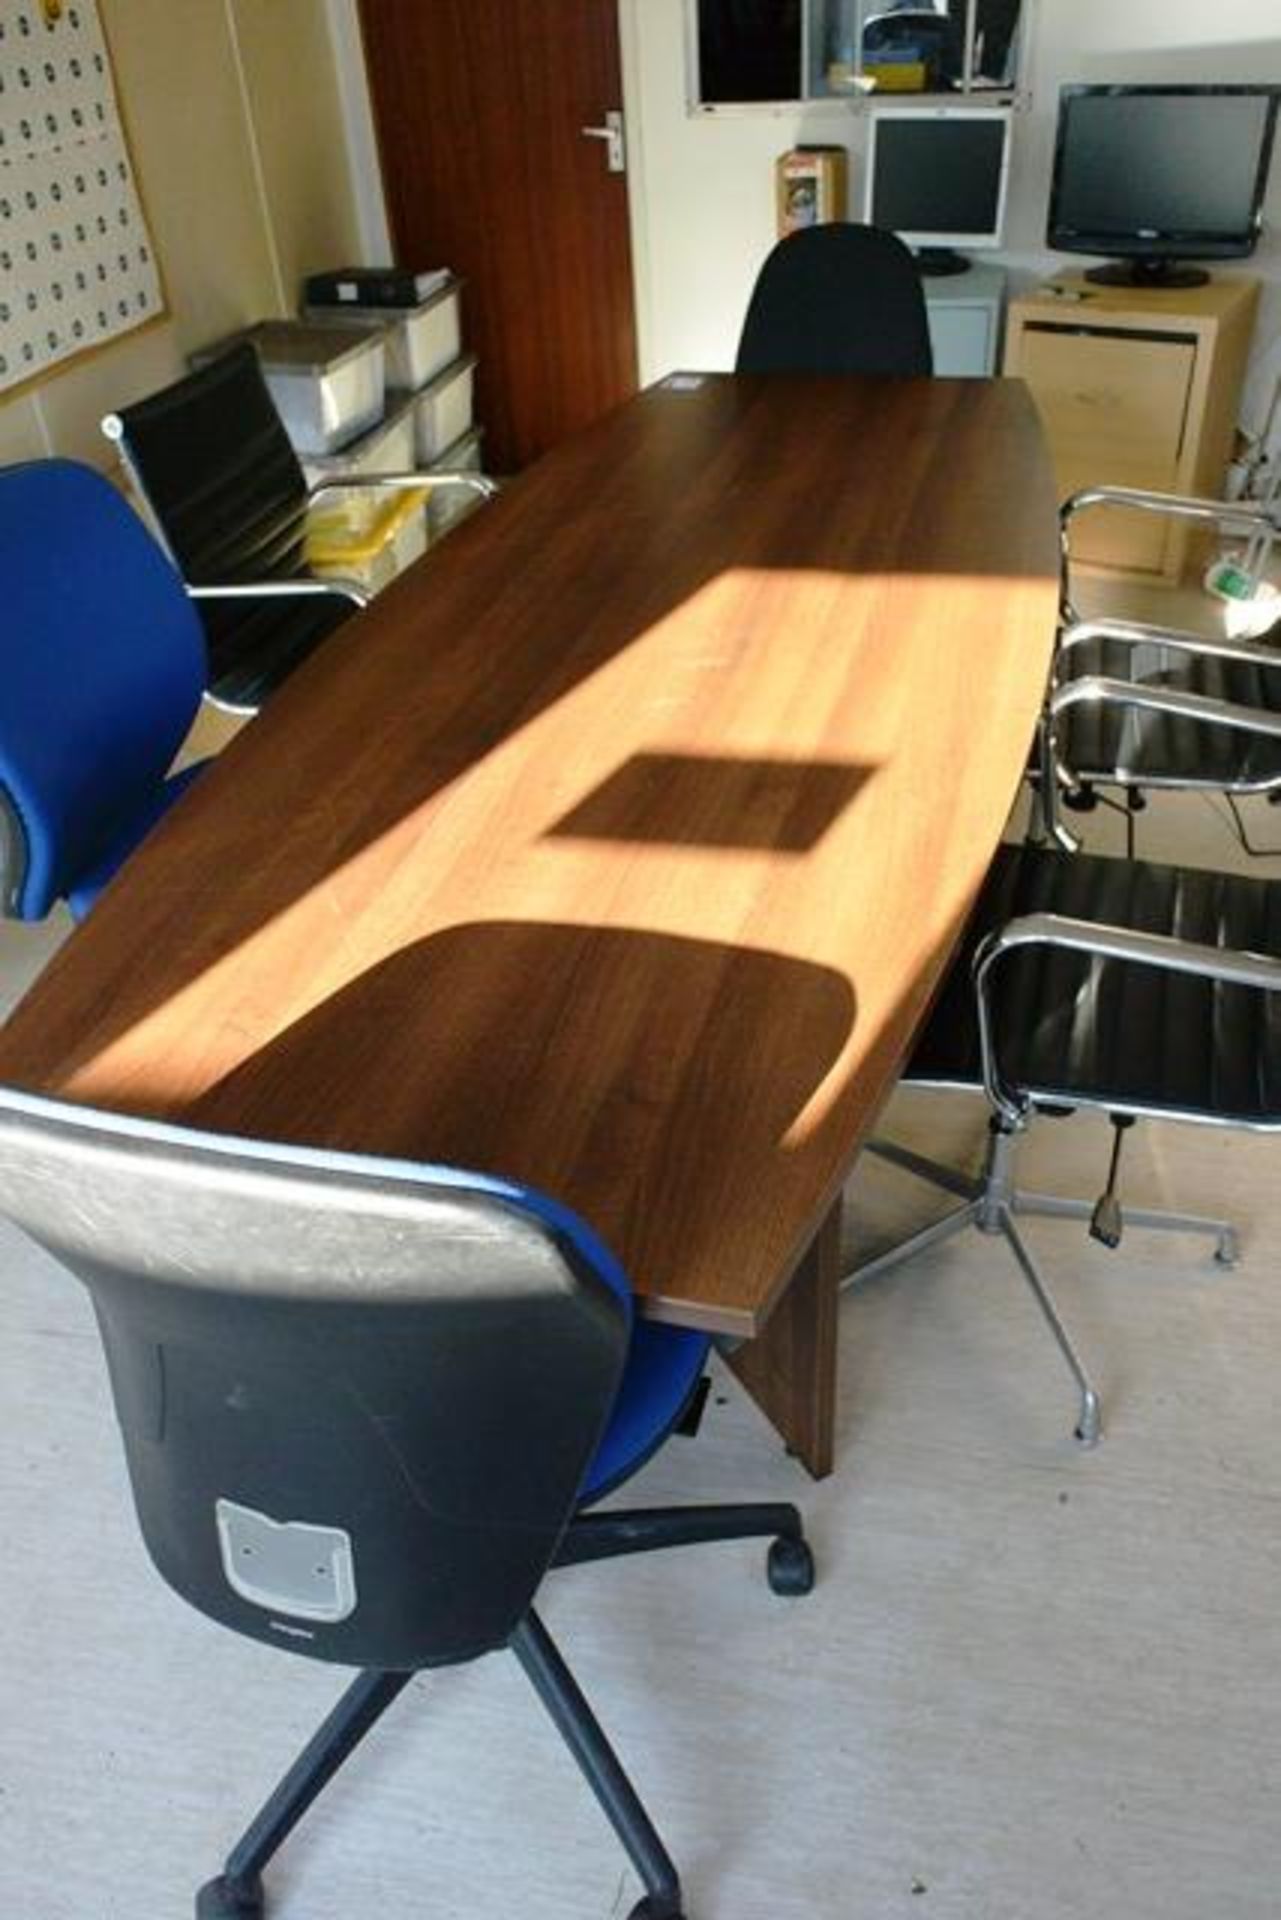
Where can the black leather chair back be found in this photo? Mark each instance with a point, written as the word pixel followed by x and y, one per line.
pixel 837 298
pixel 358 1398
pixel 219 472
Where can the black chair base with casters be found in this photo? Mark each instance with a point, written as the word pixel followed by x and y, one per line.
pixel 367 1407
pixel 1114 985
pixel 237 1893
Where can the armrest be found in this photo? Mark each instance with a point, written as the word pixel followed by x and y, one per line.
pixel 1136 633
pixel 1095 690
pixel 476 482
pixel 1235 516
pixel 276 590
pixel 1240 516
pixel 1104 942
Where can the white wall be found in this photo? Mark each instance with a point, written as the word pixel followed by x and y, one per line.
pixel 703 208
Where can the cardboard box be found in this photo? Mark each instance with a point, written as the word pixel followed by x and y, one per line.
pixel 810 186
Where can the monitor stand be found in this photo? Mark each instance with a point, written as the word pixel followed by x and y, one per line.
pixel 1156 275
pixel 934 263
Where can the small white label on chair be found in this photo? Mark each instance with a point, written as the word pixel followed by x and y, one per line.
pixel 287 1566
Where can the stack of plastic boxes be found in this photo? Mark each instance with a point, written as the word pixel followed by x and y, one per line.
pixel 428 418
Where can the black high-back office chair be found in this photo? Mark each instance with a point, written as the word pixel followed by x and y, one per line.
pixel 837 298
pixel 365 1405
pixel 1137 706
pixel 1112 984
pixel 212 458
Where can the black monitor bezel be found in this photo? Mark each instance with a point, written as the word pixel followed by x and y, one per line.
pixel 1200 245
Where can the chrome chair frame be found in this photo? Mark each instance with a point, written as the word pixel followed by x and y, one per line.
pixel 1057 775
pixel 302 587
pixel 990 1200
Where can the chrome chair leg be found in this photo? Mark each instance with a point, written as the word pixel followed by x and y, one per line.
pixel 938 1230
pixel 1089 1424
pixel 1058 1206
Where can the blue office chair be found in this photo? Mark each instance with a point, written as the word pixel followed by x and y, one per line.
pixel 102 663
pixel 837 298
pixel 366 1406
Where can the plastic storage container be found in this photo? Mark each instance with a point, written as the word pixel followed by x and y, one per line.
pixel 327 381
pixel 442 410
pixel 389 447
pixel 448 505
pixel 370 544
pixel 420 341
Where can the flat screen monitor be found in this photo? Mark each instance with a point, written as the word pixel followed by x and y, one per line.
pixel 1155 175
pixel 937 176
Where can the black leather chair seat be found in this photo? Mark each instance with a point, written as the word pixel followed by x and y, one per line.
pixel 1156 749
pixel 1076 1030
pixel 253 650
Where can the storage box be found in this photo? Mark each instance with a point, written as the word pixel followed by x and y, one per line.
pixel 388 447
pixel 327 381
pixel 442 410
pixel 349 541
pixel 448 505
pixel 810 185
pixel 420 341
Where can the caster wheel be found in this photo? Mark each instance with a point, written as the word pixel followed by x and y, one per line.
pixel 790 1567
pixel 222 1899
pixel 1228 1252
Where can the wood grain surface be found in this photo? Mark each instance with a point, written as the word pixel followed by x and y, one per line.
pixel 619 847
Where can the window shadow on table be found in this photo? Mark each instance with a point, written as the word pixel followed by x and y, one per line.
pixel 711 800
pixel 604 1065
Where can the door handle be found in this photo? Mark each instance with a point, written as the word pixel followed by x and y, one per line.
pixel 612 134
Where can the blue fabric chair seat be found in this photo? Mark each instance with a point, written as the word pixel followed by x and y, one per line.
pixel 663 1369
pixel 81 897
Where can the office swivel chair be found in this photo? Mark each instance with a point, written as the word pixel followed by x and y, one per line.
pixel 837 298
pixel 216 467
pixel 366 1407
pixel 1100 983
pixel 102 664
pixel 1137 706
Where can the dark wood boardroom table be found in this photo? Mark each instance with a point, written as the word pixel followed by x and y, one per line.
pixel 620 847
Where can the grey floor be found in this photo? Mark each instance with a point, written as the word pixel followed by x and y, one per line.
pixel 1033 1683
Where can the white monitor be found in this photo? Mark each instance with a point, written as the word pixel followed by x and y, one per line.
pixel 937 176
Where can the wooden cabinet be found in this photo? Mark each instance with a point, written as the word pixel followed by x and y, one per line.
pixel 1136 388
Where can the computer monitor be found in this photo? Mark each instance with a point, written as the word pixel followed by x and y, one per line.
pixel 1155 175
pixel 937 176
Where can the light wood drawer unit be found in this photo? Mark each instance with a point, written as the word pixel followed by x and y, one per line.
pixel 1136 389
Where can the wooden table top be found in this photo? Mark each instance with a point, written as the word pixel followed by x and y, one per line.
pixel 620 846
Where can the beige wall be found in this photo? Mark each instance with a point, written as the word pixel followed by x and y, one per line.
pixel 233 116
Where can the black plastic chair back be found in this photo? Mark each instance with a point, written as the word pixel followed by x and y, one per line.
pixel 837 299
pixel 357 1398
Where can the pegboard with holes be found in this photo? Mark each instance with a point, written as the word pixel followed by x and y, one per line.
pixel 77 264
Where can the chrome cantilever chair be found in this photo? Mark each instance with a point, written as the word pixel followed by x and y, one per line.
pixel 1136 706
pixel 1112 984
pixel 211 458
pixel 366 1407
pixel 837 298
pixel 102 663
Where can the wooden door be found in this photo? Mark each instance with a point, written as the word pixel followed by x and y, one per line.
pixel 479 107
